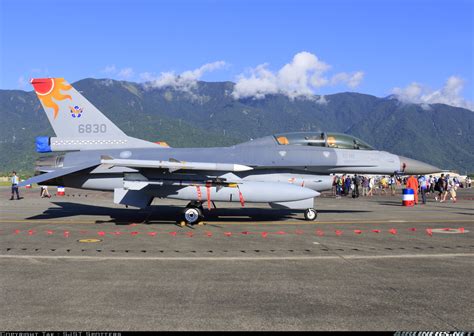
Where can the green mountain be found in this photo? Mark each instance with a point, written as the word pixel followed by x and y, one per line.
pixel 208 115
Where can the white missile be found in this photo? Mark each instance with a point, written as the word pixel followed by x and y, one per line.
pixel 174 165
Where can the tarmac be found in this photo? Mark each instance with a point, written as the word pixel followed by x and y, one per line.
pixel 80 262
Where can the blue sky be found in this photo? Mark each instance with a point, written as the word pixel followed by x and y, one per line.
pixel 415 46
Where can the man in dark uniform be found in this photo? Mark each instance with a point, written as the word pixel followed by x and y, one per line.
pixel 357 182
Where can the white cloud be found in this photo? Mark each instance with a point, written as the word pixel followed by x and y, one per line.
pixel 113 71
pixel 147 77
pixel 22 82
pixel 109 69
pixel 125 73
pixel 260 83
pixel 449 94
pixel 186 81
pixel 351 80
pixel 322 100
pixel 299 78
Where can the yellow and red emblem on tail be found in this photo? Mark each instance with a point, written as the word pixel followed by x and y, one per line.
pixel 48 88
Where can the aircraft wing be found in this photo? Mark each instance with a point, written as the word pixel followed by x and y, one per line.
pixel 174 165
pixel 58 173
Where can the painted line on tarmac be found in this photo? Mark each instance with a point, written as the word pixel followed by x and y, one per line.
pixel 400 256
pixel 344 222
pixel 302 222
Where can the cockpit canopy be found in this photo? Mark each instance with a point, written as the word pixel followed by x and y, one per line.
pixel 322 139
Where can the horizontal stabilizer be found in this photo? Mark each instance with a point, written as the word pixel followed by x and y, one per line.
pixel 132 197
pixel 58 173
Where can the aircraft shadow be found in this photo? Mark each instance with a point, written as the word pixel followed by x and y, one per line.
pixel 168 214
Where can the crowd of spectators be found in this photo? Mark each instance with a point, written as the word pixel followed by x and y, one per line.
pixel 368 186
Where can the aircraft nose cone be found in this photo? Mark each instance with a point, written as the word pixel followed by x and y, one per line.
pixel 415 167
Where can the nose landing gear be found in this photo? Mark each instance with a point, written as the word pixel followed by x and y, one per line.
pixel 310 214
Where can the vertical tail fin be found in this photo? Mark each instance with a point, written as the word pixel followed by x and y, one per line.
pixel 78 124
pixel 70 114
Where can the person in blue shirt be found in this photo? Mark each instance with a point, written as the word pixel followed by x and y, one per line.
pixel 347 185
pixel 423 186
pixel 15 182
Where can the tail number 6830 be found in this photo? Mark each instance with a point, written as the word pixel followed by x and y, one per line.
pixel 92 128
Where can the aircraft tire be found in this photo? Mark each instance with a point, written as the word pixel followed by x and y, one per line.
pixel 192 215
pixel 310 214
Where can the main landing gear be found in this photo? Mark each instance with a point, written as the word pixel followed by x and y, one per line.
pixel 310 214
pixel 193 213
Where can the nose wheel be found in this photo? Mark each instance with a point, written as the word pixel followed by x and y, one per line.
pixel 310 214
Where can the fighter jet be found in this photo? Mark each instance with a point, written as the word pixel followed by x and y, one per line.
pixel 286 170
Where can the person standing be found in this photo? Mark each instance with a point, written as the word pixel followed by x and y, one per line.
pixel 383 185
pixel 15 182
pixel 347 185
pixel 371 186
pixel 422 182
pixel 452 186
pixel 45 192
pixel 438 187
pixel 412 183
pixel 453 192
pixel 443 187
pixel 432 184
pixel 393 185
pixel 356 184
pixel 339 184
pixel 365 186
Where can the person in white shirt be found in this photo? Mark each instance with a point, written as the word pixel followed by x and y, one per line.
pixel 432 184
pixel 45 192
pixel 15 182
